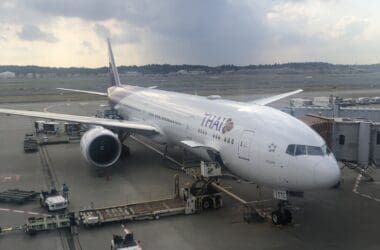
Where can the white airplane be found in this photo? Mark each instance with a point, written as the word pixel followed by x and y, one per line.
pixel 254 141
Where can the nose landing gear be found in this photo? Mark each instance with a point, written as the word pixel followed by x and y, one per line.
pixel 282 216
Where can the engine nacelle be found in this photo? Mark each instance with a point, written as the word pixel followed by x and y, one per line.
pixel 100 147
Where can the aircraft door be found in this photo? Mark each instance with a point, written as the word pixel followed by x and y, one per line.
pixel 245 144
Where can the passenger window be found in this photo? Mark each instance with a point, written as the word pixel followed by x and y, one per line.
pixel 342 139
pixel 378 138
pixel 312 150
pixel 300 150
pixel 290 149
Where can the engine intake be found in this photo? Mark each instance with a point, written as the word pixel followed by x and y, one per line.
pixel 100 147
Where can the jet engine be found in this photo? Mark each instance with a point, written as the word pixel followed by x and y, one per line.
pixel 100 147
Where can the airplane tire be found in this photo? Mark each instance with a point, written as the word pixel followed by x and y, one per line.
pixel 287 217
pixel 276 217
pixel 207 203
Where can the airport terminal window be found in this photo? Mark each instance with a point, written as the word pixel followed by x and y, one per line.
pixel 313 150
pixel 290 149
pixel 342 139
pixel 301 150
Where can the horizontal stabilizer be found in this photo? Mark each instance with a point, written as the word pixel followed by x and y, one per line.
pixel 267 100
pixel 84 91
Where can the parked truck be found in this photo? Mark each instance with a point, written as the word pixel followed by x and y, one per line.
pixel 126 242
pixel 53 200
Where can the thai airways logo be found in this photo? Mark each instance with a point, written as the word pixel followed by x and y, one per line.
pixel 217 123
pixel 228 126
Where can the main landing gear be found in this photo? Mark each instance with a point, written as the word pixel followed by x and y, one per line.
pixel 282 216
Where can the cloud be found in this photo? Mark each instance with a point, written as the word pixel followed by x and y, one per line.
pixel 95 10
pixel 102 31
pixel 88 48
pixel 34 33
pixel 197 32
pixel 349 27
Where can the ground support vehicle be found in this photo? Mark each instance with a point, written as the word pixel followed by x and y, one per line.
pixel 17 196
pixel 34 225
pixel 194 199
pixel 198 197
pixel 126 242
pixel 53 200
pixel 30 143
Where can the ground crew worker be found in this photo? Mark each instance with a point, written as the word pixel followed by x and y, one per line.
pixel 65 191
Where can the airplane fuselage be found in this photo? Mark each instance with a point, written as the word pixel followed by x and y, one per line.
pixel 253 141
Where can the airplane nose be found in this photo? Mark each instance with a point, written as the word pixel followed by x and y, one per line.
pixel 327 173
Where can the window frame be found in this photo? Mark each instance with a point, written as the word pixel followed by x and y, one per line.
pixel 299 146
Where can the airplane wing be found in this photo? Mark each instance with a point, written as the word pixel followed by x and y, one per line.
pixel 84 91
pixel 110 123
pixel 267 100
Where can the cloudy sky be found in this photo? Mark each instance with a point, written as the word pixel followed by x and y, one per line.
pixel 210 32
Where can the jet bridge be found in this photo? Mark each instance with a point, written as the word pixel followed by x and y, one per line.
pixel 354 142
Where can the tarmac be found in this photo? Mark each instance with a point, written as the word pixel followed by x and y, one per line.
pixel 343 218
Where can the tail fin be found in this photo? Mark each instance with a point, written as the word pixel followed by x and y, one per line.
pixel 114 75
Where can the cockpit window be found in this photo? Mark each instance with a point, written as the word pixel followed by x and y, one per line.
pixel 293 149
pixel 313 150
pixel 300 150
pixel 290 149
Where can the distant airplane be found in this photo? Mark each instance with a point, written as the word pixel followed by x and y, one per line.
pixel 256 142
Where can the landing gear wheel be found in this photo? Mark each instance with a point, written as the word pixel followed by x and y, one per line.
pixel 276 218
pixel 206 203
pixel 287 217
pixel 283 218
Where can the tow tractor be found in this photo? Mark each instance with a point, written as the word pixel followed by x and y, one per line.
pixel 201 192
pixel 127 242
pixel 53 200
pixel 30 143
